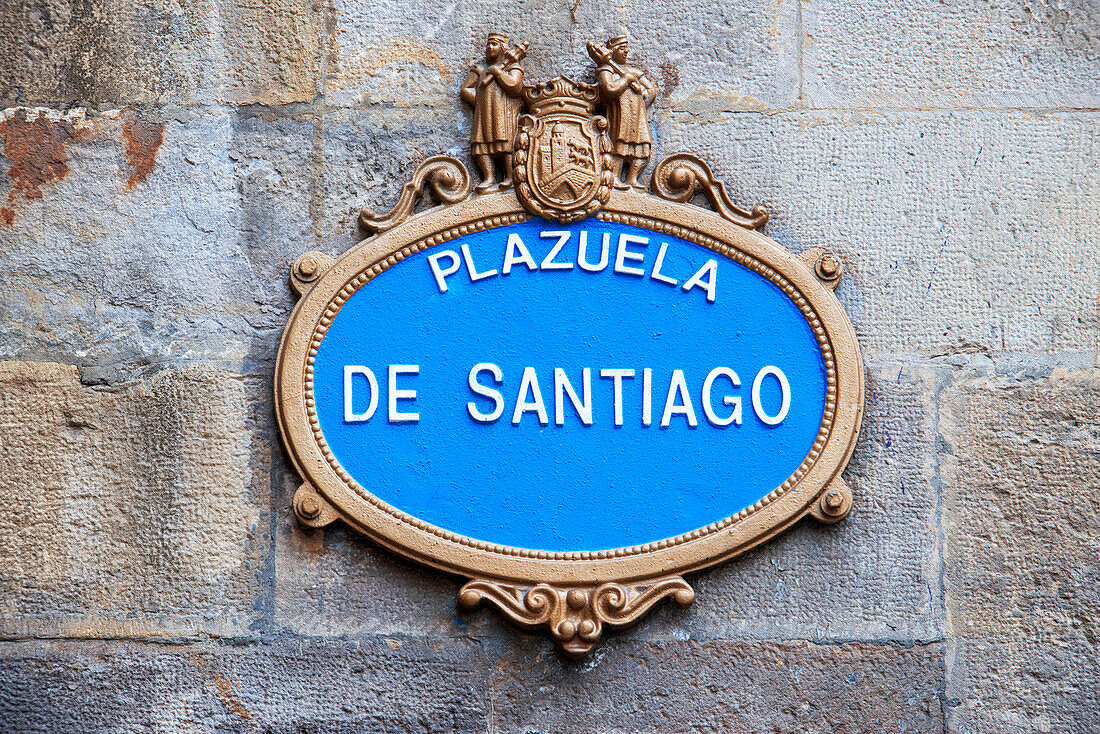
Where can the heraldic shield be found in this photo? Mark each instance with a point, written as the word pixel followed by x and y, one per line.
pixel 562 152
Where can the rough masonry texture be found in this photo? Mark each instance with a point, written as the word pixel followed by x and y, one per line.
pixel 164 162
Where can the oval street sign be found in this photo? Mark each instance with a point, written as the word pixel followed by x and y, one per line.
pixel 563 388
pixel 642 393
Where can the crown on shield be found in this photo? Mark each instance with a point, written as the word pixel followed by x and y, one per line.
pixel 561 94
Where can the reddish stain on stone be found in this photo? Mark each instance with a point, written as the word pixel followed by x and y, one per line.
pixel 670 77
pixel 143 139
pixel 36 149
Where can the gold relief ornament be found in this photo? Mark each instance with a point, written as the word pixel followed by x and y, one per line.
pixel 681 176
pixel 576 615
pixel 627 91
pixel 562 159
pixel 494 91
pixel 565 158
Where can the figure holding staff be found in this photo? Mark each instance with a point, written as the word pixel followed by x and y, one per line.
pixel 493 89
pixel 627 91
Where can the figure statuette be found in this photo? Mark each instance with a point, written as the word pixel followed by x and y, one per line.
pixel 494 91
pixel 627 92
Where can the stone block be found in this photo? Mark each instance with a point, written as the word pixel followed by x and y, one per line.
pixel 418 53
pixel 333 582
pixel 970 54
pixel 687 687
pixel 1021 474
pixel 116 53
pixel 275 155
pixel 370 154
pixel 169 245
pixel 284 688
pixel 132 510
pixel 272 52
pixel 111 52
pixel 959 232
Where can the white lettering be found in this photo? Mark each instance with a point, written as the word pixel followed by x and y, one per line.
pixel 583 261
pixel 439 273
pixel 655 274
pixel 677 386
pixel 517 253
pixel 529 384
pixel 784 388
pixel 624 254
pixel 488 392
pixel 350 416
pixel 710 269
pixel 617 375
pixel 548 263
pixel 708 408
pixel 647 396
pixel 395 394
pixel 562 386
pixel 474 275
pixel 630 259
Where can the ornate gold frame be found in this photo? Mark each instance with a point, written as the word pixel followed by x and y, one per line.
pixel 575 594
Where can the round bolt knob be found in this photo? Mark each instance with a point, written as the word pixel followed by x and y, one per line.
pixel 576 598
pixel 833 502
pixel 309 507
pixel 828 266
pixel 307 267
pixel 566 630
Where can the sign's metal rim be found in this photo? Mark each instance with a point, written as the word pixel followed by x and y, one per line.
pixel 330 492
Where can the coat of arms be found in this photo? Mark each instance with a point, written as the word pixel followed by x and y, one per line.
pixel 563 155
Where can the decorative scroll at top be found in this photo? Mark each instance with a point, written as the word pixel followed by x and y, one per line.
pixel 681 176
pixel 564 145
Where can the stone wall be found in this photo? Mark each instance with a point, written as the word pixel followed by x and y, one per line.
pixel 166 161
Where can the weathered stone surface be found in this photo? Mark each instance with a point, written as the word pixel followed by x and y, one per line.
pixel 369 155
pixel 418 53
pixel 187 263
pixel 959 232
pixel 939 260
pixel 132 510
pixel 272 51
pixel 687 687
pixel 1021 472
pixel 275 157
pixel 334 583
pixel 115 52
pixel 964 54
pixel 284 688
pixel 948 152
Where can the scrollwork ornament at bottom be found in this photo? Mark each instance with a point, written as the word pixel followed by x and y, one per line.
pixel 575 615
